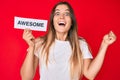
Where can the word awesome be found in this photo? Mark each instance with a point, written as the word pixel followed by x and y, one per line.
pixel 27 23
pixel 33 24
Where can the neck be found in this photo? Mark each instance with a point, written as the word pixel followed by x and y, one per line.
pixel 61 36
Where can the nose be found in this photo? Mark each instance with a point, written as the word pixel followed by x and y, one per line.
pixel 62 16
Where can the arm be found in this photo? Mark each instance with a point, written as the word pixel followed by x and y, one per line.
pixel 91 68
pixel 30 63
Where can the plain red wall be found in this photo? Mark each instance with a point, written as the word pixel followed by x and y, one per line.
pixel 95 18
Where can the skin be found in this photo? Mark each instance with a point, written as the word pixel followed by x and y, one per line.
pixel 62 14
pixel 91 67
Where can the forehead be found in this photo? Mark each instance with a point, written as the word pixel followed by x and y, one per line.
pixel 62 7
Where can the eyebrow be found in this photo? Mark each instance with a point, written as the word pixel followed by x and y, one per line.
pixel 59 10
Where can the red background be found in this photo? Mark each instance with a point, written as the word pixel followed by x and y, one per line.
pixel 95 18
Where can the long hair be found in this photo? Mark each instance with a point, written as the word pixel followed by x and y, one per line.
pixel 76 57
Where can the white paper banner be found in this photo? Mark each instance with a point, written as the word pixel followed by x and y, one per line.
pixel 33 24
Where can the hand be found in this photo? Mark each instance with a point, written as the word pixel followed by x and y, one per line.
pixel 109 38
pixel 28 37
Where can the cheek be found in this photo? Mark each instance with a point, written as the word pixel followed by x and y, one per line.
pixel 69 22
pixel 54 21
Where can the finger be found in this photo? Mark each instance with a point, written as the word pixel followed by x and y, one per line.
pixel 110 38
pixel 109 34
pixel 31 37
pixel 27 30
pixel 24 31
pixel 28 36
pixel 112 35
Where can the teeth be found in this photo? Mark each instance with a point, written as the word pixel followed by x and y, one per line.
pixel 61 23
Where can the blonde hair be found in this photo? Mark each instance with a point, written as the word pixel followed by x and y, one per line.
pixel 76 61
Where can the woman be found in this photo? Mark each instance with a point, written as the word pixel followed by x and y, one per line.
pixel 61 54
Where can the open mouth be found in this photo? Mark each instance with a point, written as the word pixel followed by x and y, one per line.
pixel 61 23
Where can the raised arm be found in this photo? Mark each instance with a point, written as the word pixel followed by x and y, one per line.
pixel 91 68
pixel 30 63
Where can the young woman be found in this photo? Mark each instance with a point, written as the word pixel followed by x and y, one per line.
pixel 61 54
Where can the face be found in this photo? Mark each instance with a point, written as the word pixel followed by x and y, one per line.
pixel 62 20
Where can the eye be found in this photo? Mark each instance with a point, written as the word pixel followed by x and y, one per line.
pixel 67 14
pixel 56 13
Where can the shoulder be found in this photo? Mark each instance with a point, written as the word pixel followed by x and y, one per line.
pixel 85 48
pixel 82 40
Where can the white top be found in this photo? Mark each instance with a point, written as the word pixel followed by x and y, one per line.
pixel 58 64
